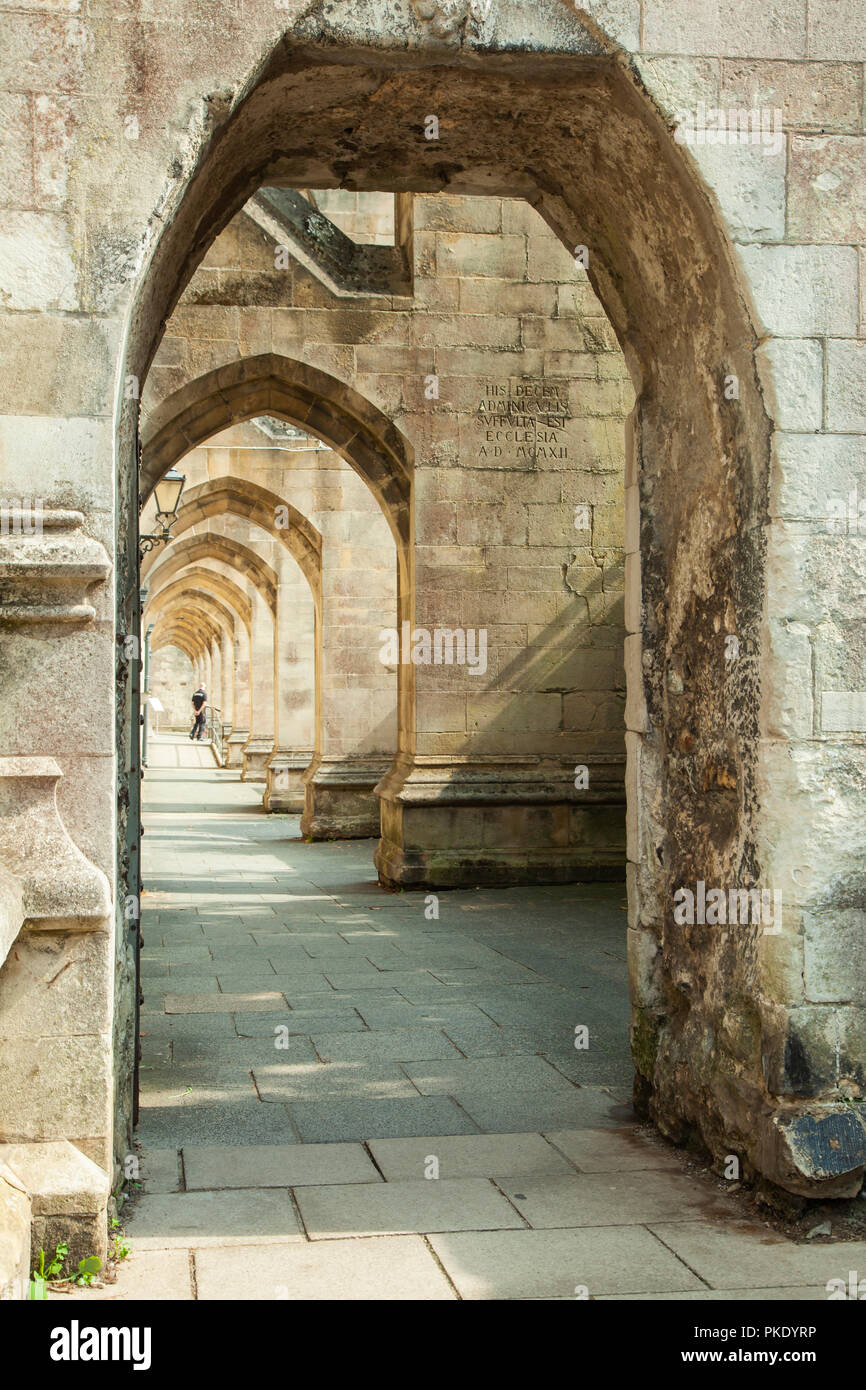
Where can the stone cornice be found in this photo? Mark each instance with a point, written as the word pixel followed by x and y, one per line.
pixel 60 889
pixel 45 574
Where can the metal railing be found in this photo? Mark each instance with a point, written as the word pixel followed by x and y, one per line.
pixel 214 730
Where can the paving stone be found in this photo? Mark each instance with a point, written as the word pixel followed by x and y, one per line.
pixel 159 1276
pixel 242 1051
pixel 398 1044
pixel 299 1081
pixel 553 1264
pixel 262 1002
pixel 245 1121
pixel 161 1025
pixel 395 1208
pixel 612 1199
pixel 246 982
pixel 273 1165
pixel 487 1040
pixel 342 1019
pixel 353 997
pixel 199 1083
pixel 342 980
pixel 178 954
pixel 614 1151
pixel 468 1156
pixel 155 1052
pixel 520 1074
pixel 492 1111
pixel 191 1219
pixel 395 1268
pixel 339 1119
pixel 741 1255
pixel 399 1013
pixel 297 983
pixel 160 1170
pixel 183 982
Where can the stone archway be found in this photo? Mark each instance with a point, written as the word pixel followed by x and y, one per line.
pixel 326 110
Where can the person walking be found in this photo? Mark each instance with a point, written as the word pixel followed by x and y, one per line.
pixel 199 702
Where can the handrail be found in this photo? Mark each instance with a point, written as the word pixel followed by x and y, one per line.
pixel 214 728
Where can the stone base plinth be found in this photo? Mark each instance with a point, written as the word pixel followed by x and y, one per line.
pixel 234 747
pixel 14 1237
pixel 222 755
pixel 285 778
pixel 341 801
pixel 257 751
pixel 452 822
pixel 68 1198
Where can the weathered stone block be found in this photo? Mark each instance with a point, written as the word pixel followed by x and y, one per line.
pixel 804 290
pixel 846 385
pixel 68 1195
pixel 14 1236
pixel 792 374
pixel 827 188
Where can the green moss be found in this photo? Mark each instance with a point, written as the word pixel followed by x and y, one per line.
pixel 645 1041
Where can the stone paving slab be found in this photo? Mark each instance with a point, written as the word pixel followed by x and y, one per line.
pixel 161 1170
pixel 746 1254
pixel 155 1052
pixel 612 1199
pixel 176 954
pixel 159 1276
pixel 399 1013
pixel 273 1165
pixel 243 1052
pixel 353 1118
pixel 494 1156
pixel 297 1081
pixel 199 983
pixel 244 1121
pixel 553 1264
pixel 191 1026
pixel 614 1151
pixel 527 1075
pixel 300 1022
pixel 303 983
pixel 554 1110
pixel 487 1040
pixel 384 1268
pixel 168 1221
pixel 398 1208
pixel 399 1044
pixel 199 1083
pixel 262 1002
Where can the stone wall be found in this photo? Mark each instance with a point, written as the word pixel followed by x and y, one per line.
pixel 730 275
pixel 172 681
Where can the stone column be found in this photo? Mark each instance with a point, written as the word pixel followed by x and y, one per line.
pixel 240 698
pixel 294 689
pixel 357 735
pixel 227 682
pixel 512 752
pixel 214 690
pixel 260 744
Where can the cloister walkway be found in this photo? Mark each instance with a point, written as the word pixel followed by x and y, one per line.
pixel 344 1095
